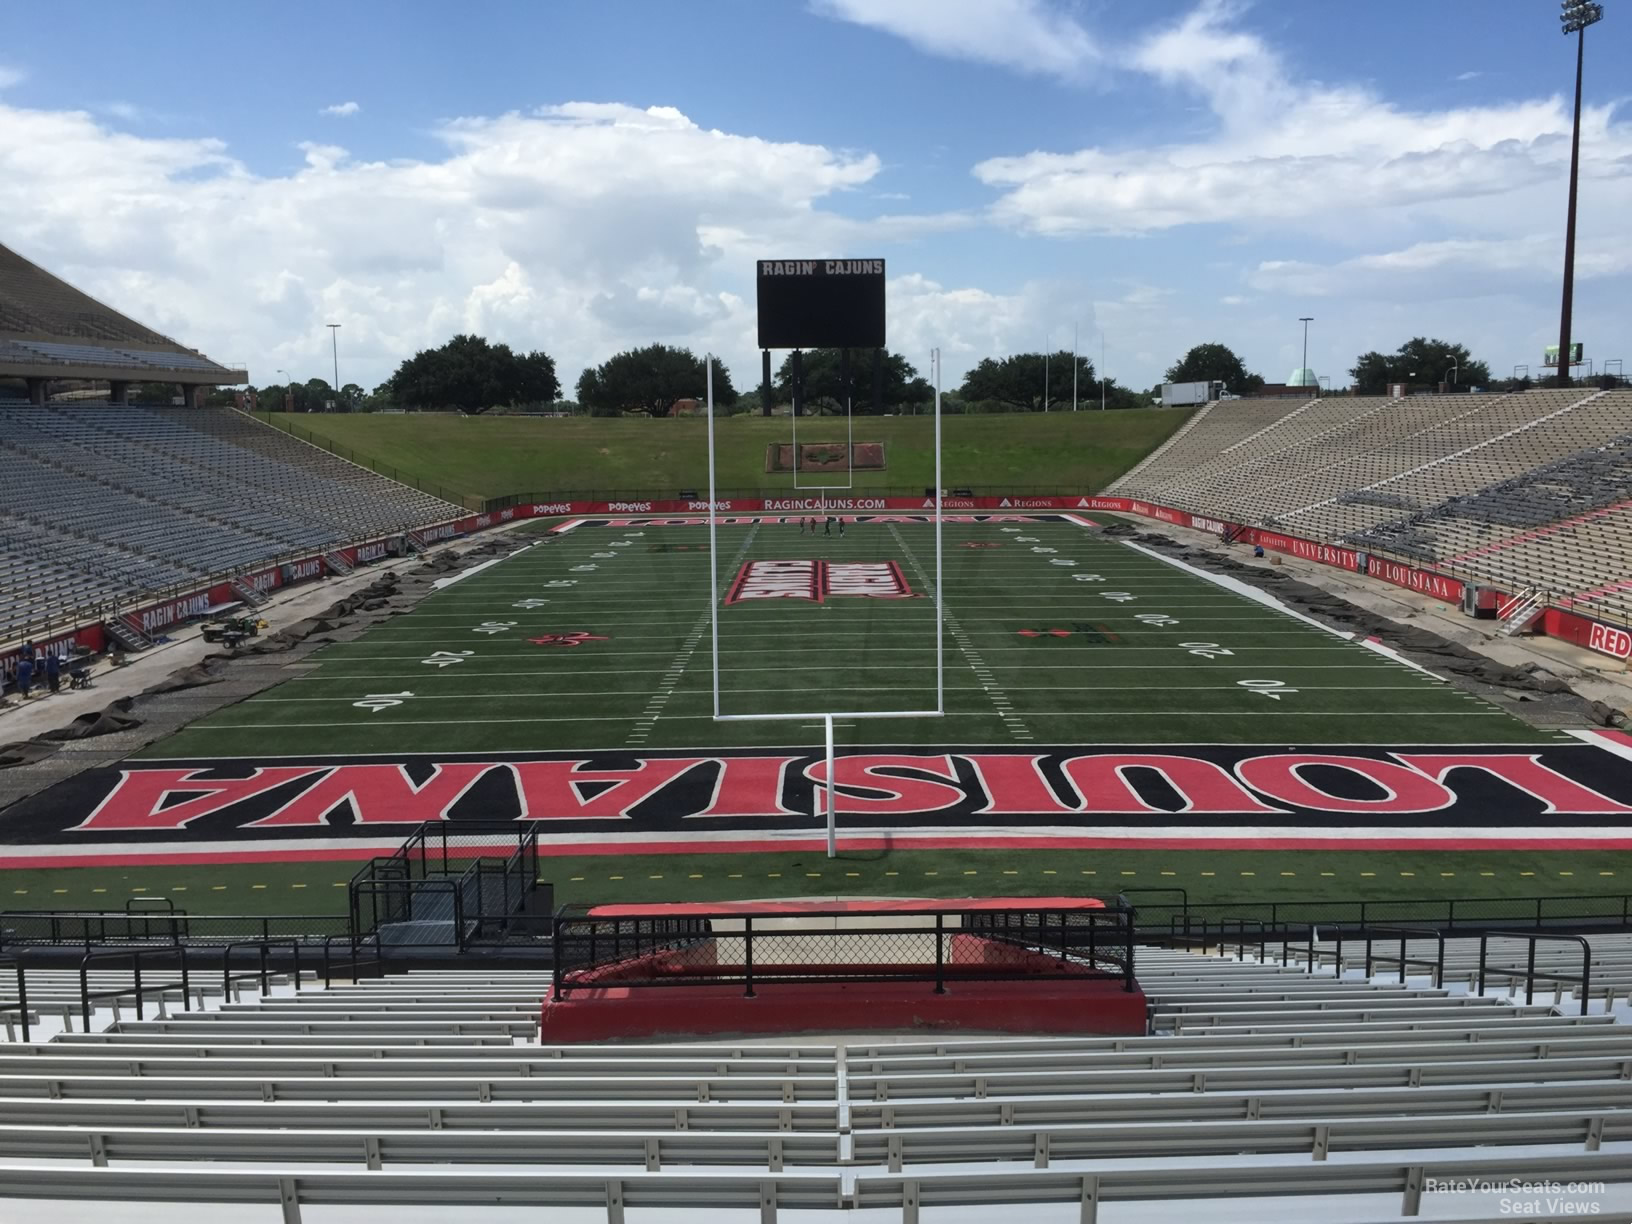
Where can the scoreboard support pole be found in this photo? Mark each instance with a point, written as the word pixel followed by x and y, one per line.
pixel 767 396
pixel 878 382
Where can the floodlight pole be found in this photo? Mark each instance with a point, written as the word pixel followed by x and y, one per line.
pixel 940 572
pixel 832 817
pixel 1102 371
pixel 1303 369
pixel 1073 367
pixel 1577 16
pixel 334 342
pixel 713 573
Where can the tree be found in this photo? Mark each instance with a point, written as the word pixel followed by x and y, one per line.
pixel 1018 382
pixel 651 380
pixel 825 390
pixel 472 375
pixel 1212 363
pixel 1418 360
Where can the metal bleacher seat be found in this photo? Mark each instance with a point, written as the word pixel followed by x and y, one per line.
pixel 430 1088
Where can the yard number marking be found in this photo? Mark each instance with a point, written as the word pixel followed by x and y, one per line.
pixel 529 604
pixel 1273 689
pixel 1061 561
pixel 375 702
pixel 1041 549
pixel 563 582
pixel 1206 650
pixel 1118 596
pixel 494 626
pixel 1156 618
pixel 1087 577
pixel 446 658
pixel 584 569
pixel 603 556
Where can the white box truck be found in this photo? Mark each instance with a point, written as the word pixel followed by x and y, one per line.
pixel 1178 395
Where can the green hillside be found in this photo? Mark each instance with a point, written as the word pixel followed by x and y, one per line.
pixel 493 456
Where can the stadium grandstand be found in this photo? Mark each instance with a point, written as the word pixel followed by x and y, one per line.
pixel 1526 490
pixel 109 504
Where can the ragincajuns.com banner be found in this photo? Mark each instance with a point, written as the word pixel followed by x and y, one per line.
pixel 1532 796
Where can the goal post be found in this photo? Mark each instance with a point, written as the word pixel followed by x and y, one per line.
pixel 826 717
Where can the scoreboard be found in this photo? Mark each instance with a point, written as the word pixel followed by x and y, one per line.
pixel 821 303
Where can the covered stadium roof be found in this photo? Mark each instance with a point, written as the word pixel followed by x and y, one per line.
pixel 49 329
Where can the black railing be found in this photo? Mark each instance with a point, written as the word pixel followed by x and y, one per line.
pixel 354 959
pixel 937 947
pixel 14 967
pixel 1437 964
pixel 1182 920
pixel 137 988
pixel 261 973
pixel 445 871
pixel 1530 973
pixel 90 929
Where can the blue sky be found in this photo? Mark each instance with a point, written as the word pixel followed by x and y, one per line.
pixel 584 177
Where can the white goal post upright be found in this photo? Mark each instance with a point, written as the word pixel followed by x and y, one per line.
pixel 826 717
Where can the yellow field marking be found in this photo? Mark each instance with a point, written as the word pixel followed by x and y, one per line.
pixel 813 875
pixel 1566 873
pixel 183 888
pixel 339 884
pixel 1367 874
pixel 1606 873
pixel 1527 873
pixel 1249 873
pixel 1130 873
pixel 773 875
pixel 853 875
pixel 257 885
pixel 297 886
pixel 1208 873
pixel 1170 873
pixel 99 890
pixel 694 876
pixel 970 873
pixel 1328 873
pixel 654 877
pixel 59 890
pixel 614 877
pixel 892 873
pixel 1487 873
pixel 735 875
pixel 1408 874
pixel 20 892
pixel 1088 872
pixel 1008 871
pixel 1049 871
pixel 1289 873
pixel 1446 875
pixel 138 890
pixel 213 888
pixel 932 873
pixel 575 879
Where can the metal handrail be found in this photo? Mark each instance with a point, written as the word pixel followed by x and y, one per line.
pixel 263 946
pixel 1531 973
pixel 22 994
pixel 135 955
pixel 1405 933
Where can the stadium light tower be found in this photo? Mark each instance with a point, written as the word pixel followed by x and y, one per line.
pixel 1303 369
pixel 1576 16
pixel 334 343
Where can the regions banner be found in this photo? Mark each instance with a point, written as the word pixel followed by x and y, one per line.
pixel 1554 796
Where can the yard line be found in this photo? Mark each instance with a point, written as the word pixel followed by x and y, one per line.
pixel 992 690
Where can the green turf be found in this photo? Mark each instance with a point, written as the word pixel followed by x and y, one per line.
pixel 497 456
pixel 1116 679
pixel 1119 678
pixel 1250 877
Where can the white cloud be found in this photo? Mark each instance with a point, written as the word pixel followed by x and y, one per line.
pixel 1469 76
pixel 343 110
pixel 1283 151
pixel 1030 36
pixel 580 229
pixel 10 76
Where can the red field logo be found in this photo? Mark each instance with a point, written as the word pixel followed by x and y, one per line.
pixel 816 581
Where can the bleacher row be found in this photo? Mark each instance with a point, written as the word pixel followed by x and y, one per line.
pixel 1286 1086
pixel 107 502
pixel 1527 489
pixel 33 351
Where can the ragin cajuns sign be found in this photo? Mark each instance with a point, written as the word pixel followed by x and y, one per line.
pixel 817 581
pixel 1531 795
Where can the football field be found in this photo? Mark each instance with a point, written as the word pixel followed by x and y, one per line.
pixel 1111 720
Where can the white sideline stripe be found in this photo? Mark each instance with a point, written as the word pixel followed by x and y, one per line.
pixel 441 722
pixel 442 583
pixel 1388 652
pixel 636 654
pixel 867 688
pixel 309 677
pixel 1597 740
pixel 1245 590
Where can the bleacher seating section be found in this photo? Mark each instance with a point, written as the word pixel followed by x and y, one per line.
pixel 1298 1089
pixel 105 503
pixel 1528 489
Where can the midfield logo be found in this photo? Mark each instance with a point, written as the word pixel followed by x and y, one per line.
pixel 567 639
pixel 816 581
